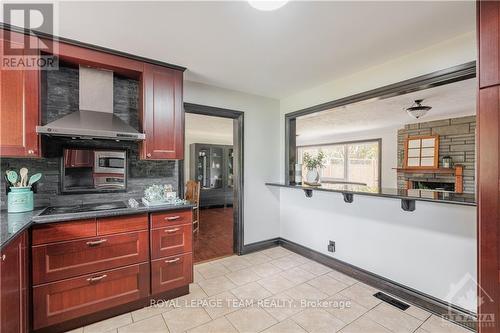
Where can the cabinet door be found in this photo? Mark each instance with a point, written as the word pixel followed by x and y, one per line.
pixel 489 43
pixel 170 241
pixel 163 114
pixel 13 284
pixel 78 158
pixel 62 260
pixel 172 272
pixel 60 301
pixel 19 103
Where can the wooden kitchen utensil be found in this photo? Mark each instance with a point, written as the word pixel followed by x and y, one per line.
pixel 24 176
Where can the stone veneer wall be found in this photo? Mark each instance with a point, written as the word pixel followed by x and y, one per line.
pixel 457 139
pixel 59 98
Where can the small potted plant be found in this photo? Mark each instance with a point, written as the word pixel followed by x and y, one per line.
pixel 313 164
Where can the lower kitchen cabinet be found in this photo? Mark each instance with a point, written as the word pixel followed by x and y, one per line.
pixel 170 241
pixel 71 298
pixel 13 286
pixel 56 261
pixel 86 269
pixel 172 272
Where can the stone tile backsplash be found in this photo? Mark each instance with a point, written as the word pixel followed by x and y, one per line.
pixel 59 98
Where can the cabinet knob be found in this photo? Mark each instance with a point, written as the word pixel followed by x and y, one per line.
pixel 3 257
pixel 31 151
pixel 148 154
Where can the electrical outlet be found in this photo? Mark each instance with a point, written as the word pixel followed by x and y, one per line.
pixel 331 246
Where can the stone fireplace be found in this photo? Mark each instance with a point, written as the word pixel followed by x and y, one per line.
pixel 457 140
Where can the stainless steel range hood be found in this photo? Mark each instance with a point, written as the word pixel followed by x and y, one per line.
pixel 95 119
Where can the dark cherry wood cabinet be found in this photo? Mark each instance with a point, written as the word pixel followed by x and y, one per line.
pixel 63 260
pixel 85 270
pixel 163 113
pixel 171 272
pixel 13 286
pixel 168 219
pixel 19 102
pixel 170 241
pixel 71 298
pixel 78 158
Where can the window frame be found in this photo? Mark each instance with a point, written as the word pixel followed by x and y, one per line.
pixel 346 163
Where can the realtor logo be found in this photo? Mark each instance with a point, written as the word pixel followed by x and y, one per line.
pixel 23 52
pixel 464 293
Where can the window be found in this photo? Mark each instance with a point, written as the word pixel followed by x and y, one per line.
pixel 350 162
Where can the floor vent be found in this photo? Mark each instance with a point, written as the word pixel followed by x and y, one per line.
pixel 392 301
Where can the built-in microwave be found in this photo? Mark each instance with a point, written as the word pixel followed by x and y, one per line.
pixel 92 170
pixel 109 162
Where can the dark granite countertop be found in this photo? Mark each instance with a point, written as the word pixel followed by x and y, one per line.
pixel 12 224
pixel 466 199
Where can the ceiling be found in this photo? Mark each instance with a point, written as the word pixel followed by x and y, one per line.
pixel 232 45
pixel 448 101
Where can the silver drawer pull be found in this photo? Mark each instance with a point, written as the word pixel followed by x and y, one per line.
pixel 97 278
pixel 172 218
pixel 171 230
pixel 97 242
pixel 172 261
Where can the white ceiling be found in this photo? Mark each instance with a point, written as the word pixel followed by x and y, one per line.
pixel 232 45
pixel 448 101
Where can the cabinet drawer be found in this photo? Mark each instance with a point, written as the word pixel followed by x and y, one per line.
pixel 64 300
pixel 113 225
pixel 62 260
pixel 62 231
pixel 162 220
pixel 170 241
pixel 172 272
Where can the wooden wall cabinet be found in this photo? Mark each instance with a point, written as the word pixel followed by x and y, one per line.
pixel 78 158
pixel 163 113
pixel 13 286
pixel 19 101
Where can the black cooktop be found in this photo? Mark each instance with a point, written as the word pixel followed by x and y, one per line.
pixel 83 208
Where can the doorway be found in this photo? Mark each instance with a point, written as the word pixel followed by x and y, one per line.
pixel 214 161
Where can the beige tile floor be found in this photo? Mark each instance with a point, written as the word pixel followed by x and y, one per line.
pixel 274 291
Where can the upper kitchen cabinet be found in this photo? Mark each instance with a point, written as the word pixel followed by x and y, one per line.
pixel 19 96
pixel 489 43
pixel 163 114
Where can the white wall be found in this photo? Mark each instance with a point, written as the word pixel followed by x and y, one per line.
pixel 261 154
pixel 429 249
pixel 389 138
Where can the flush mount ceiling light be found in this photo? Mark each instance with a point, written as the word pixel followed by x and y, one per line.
pixel 417 110
pixel 267 5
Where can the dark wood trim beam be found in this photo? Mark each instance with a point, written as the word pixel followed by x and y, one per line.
pixel 238 144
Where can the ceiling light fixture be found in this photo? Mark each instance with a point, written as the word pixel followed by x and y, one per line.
pixel 417 110
pixel 267 5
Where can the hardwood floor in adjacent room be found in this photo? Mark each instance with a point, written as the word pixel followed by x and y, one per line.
pixel 215 238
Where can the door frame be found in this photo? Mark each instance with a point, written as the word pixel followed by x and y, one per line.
pixel 238 126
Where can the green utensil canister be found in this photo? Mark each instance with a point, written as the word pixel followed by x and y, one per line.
pixel 20 199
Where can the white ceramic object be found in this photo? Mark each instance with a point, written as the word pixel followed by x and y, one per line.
pixel 312 176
